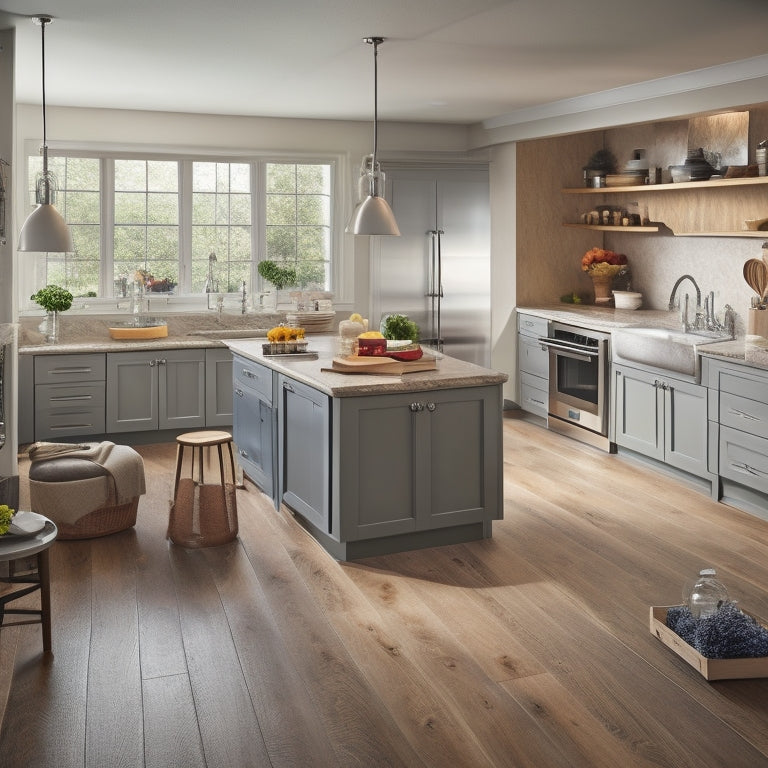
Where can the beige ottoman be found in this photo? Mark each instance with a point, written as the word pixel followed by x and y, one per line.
pixel 89 490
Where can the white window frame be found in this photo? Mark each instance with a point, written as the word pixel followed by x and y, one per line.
pixel 32 268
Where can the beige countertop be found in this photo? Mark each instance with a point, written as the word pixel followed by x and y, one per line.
pixel 450 373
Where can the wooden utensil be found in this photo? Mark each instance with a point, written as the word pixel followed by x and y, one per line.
pixel 756 275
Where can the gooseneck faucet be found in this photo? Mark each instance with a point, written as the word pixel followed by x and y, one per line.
pixel 672 296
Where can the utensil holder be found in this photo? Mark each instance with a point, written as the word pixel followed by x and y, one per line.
pixel 757 322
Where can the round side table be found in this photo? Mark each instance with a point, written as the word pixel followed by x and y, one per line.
pixel 13 548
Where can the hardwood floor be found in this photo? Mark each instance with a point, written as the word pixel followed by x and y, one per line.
pixel 528 649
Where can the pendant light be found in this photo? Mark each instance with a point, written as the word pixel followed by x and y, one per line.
pixel 45 230
pixel 373 216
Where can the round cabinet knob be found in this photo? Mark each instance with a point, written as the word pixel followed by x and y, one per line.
pixel 431 407
pixel 416 407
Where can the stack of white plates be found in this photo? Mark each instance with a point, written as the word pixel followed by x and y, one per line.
pixel 311 322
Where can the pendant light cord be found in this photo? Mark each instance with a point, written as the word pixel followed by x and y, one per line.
pixel 43 21
pixel 375 42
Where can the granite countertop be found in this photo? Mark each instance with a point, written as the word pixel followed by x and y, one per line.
pixel 450 373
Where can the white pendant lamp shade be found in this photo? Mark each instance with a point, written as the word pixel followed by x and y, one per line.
pixel 373 216
pixel 45 229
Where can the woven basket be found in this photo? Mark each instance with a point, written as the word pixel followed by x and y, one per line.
pixel 203 515
pixel 101 522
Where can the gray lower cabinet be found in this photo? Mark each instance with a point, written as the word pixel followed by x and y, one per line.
pixel 155 390
pixel 304 450
pixel 254 422
pixel 661 417
pixel 218 387
pixel 422 461
pixel 69 396
pixel 533 364
pixel 739 412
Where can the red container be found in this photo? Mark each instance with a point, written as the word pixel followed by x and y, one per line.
pixel 371 347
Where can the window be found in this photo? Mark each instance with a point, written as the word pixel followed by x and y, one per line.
pixel 221 226
pixel 79 201
pixel 189 223
pixel 298 220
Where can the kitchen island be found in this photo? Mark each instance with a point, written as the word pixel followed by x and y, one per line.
pixel 370 463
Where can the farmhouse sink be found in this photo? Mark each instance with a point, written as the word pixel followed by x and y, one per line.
pixel 663 348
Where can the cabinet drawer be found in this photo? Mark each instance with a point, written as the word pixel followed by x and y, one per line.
pixel 534 394
pixel 744 458
pixel 532 326
pixel 532 358
pixel 62 369
pixel 253 377
pixel 63 410
pixel 744 414
pixel 749 383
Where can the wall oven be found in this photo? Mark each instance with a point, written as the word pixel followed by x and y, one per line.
pixel 579 383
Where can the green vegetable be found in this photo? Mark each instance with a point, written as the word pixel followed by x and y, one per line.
pixel 400 327
pixel 571 298
pixel 6 515
pixel 53 298
pixel 280 277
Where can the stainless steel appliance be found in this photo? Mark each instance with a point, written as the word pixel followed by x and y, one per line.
pixel 578 383
pixel 438 271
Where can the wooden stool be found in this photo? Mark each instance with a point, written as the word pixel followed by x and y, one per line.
pixel 203 514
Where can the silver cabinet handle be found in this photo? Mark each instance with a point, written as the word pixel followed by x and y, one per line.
pixel 740 466
pixel 287 386
pixel 431 407
pixel 742 415
pixel 416 407
pixel 152 363
pixel 64 399
pixel 239 392
pixel 162 361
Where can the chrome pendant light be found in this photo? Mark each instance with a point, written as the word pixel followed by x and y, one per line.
pixel 373 216
pixel 45 230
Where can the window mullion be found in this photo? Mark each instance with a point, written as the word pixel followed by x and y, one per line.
pixel 185 226
pixel 107 234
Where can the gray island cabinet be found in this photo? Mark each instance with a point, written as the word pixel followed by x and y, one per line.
pixel 373 464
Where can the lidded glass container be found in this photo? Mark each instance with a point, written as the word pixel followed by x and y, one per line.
pixel 707 595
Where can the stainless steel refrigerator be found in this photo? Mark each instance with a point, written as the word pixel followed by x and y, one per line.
pixel 438 271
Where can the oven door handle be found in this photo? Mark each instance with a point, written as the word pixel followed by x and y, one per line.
pixel 576 354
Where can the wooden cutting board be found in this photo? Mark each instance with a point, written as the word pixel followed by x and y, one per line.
pixel 383 365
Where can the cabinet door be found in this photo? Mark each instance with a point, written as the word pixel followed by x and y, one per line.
pixel 131 391
pixel 638 411
pixel 304 451
pixel 253 433
pixel 375 480
pixel 685 426
pixel 461 456
pixel 181 389
pixel 218 387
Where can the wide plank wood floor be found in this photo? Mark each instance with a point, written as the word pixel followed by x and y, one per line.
pixel 528 649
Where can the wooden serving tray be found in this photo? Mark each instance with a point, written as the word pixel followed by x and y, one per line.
pixel 711 669
pixel 382 365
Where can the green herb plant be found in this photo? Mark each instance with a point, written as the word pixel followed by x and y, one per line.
pixel 280 277
pixel 399 327
pixel 53 298
pixel 6 516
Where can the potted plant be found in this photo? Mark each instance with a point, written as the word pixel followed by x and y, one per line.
pixel 53 299
pixel 280 277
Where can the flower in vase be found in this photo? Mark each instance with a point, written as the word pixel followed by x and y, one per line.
pixel 602 262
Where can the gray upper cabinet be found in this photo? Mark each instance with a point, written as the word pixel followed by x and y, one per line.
pixel 661 417
pixel 156 390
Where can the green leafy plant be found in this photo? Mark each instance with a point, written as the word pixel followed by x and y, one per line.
pixel 280 277
pixel 6 516
pixel 53 298
pixel 398 327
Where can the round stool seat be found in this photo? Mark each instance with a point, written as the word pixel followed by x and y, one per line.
pixel 203 514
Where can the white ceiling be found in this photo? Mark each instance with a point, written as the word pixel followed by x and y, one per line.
pixel 460 61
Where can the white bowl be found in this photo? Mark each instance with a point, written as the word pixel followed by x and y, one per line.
pixel 627 299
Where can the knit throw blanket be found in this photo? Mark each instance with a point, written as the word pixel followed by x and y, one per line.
pixel 119 461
